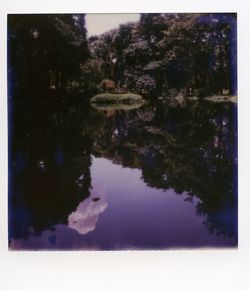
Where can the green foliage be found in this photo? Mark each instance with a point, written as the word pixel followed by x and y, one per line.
pixel 116 98
pixel 145 82
pixel 195 53
pixel 174 51
pixel 116 106
pixel 45 51
pixel 221 99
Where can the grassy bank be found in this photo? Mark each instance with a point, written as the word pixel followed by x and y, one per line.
pixel 116 106
pixel 116 98
pixel 222 99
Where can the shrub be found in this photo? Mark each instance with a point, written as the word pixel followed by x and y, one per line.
pixel 145 82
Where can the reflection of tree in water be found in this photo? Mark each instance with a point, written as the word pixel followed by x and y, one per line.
pixel 49 167
pixel 188 148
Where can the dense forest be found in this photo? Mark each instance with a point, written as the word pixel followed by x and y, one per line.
pixel 160 55
pixel 45 52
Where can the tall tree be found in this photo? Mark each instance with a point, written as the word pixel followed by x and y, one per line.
pixel 45 51
pixel 172 51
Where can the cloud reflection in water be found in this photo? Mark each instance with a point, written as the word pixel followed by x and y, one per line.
pixel 84 219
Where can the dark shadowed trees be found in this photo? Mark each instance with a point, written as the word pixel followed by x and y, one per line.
pixel 45 51
pixel 192 53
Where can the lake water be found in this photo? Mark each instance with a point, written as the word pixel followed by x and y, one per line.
pixel 162 176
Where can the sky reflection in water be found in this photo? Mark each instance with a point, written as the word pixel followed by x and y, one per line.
pixel 162 176
pixel 127 215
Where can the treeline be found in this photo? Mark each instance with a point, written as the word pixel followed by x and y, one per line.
pixel 45 52
pixel 167 54
pixel 161 54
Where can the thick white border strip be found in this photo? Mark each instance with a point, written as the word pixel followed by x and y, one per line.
pixel 129 6
pixel 3 134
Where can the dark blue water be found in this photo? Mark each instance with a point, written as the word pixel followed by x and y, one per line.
pixel 158 177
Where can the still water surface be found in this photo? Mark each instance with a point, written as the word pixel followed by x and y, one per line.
pixel 157 177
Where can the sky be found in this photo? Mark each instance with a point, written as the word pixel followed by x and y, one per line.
pixel 98 23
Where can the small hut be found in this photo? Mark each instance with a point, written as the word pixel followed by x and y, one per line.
pixel 107 85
